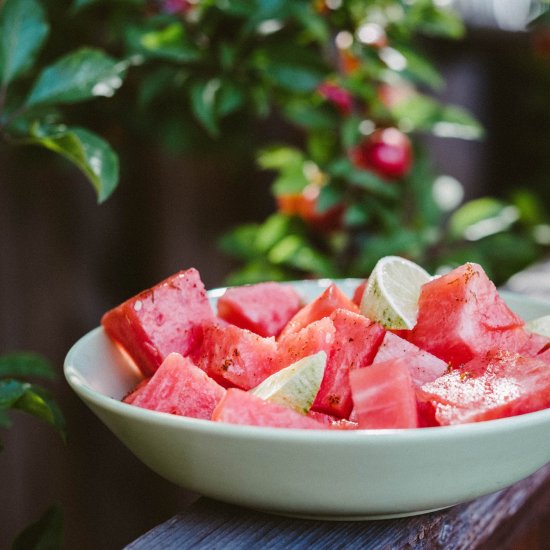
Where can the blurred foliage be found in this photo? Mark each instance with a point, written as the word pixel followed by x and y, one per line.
pixel 19 393
pixel 338 72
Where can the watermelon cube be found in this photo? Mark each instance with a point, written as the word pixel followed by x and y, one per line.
pixel 237 357
pixel 384 396
pixel 424 367
pixel 358 292
pixel 461 315
pixel 356 342
pixel 179 387
pixel 164 319
pixel 496 385
pixel 329 300
pixel 263 308
pixel 313 338
pixel 240 407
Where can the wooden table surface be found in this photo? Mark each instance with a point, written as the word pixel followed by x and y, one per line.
pixel 516 518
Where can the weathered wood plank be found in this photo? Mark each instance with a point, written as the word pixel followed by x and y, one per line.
pixel 480 524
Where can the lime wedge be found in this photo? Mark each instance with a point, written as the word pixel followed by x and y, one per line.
pixel 541 326
pixel 295 386
pixel 391 296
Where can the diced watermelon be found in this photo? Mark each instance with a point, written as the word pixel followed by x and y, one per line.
pixel 423 366
pixel 263 308
pixel 315 337
pixel 329 300
pixel 130 397
pixel 179 387
pixel 358 293
pixel 535 345
pixel 461 315
pixel 495 385
pixel 237 357
pixel 240 407
pixel 355 345
pixel 384 396
pixel 333 422
pixel 164 319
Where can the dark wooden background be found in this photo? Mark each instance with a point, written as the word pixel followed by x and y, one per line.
pixel 64 261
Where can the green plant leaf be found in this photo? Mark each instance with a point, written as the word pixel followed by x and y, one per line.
pixel 473 213
pixel 419 69
pixel 44 534
pixel 170 43
pixel 203 103
pixel 240 242
pixel 423 113
pixel 365 179
pixel 272 231
pixel 38 402
pixel 78 76
pixel 23 30
pixel 297 253
pixel 10 391
pixel 23 364
pixel 87 151
pixel 79 4
pixel 294 77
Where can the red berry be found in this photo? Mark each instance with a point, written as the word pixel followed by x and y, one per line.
pixel 338 96
pixel 387 152
pixel 176 6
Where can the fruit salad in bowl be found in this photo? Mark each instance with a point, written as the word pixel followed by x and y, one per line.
pixel 388 396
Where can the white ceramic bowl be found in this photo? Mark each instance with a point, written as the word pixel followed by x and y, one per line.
pixel 321 474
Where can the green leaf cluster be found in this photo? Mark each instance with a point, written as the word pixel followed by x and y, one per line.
pixel 31 93
pixel 18 393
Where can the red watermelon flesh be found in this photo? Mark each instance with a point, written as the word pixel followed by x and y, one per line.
pixel 237 357
pixel 384 396
pixel 131 396
pixel 329 300
pixel 164 319
pixel 355 345
pixel 461 315
pixel 424 367
pixel 496 385
pixel 315 337
pixel 358 293
pixel 179 387
pixel 240 407
pixel 264 308
pixel 332 422
pixel 535 345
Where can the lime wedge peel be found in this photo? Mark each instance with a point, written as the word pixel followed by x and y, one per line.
pixel 295 386
pixel 391 296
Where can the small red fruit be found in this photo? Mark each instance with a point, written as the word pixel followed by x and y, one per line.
pixel 337 96
pixel 387 152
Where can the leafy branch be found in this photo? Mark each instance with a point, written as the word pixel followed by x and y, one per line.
pixel 31 115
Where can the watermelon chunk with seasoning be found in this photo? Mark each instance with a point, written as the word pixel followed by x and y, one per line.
pixel 166 318
pixel 330 299
pixel 240 407
pixel 384 396
pixel 315 337
pixel 355 345
pixel 461 315
pixel 237 357
pixel 178 387
pixel 496 385
pixel 263 308
pixel 424 367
